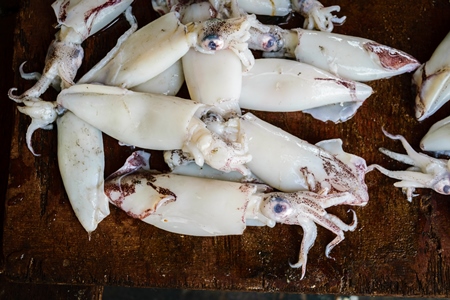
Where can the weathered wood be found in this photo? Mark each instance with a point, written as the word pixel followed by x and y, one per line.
pixel 16 290
pixel 7 22
pixel 399 248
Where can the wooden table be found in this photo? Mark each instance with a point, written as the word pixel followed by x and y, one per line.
pixel 399 248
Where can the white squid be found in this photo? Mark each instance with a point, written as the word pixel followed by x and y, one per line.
pixel 149 121
pixel 437 139
pixel 287 85
pixel 80 158
pixel 425 171
pixel 298 165
pixel 206 207
pixel 432 81
pixel 214 80
pixel 294 164
pixel 349 57
pixel 77 21
pixel 81 161
pixel 158 45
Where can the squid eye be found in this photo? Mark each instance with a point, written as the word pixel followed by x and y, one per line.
pixel 443 187
pixel 278 208
pixel 270 43
pixel 446 189
pixel 212 42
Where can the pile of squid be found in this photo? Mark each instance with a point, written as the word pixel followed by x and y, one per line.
pixel 225 173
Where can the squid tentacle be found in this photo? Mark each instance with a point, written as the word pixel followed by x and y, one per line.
pixel 345 198
pixel 56 83
pixel 332 223
pixel 406 159
pixel 309 236
pixel 404 175
pixel 419 159
pixel 42 113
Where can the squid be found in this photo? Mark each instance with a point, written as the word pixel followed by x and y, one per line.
pixel 437 139
pixel 349 57
pixel 158 45
pixel 425 171
pixel 220 86
pixel 207 207
pixel 77 20
pixel 432 81
pixel 80 158
pixel 294 165
pixel 298 165
pixel 282 85
pixel 130 117
pixel 81 161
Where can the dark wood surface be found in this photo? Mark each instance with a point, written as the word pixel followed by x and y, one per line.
pixel 399 248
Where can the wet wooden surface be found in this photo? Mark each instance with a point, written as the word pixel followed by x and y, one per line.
pixel 399 248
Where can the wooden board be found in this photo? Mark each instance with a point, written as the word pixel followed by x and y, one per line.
pixel 15 290
pixel 399 248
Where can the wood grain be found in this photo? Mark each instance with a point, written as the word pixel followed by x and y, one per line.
pixel 399 248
